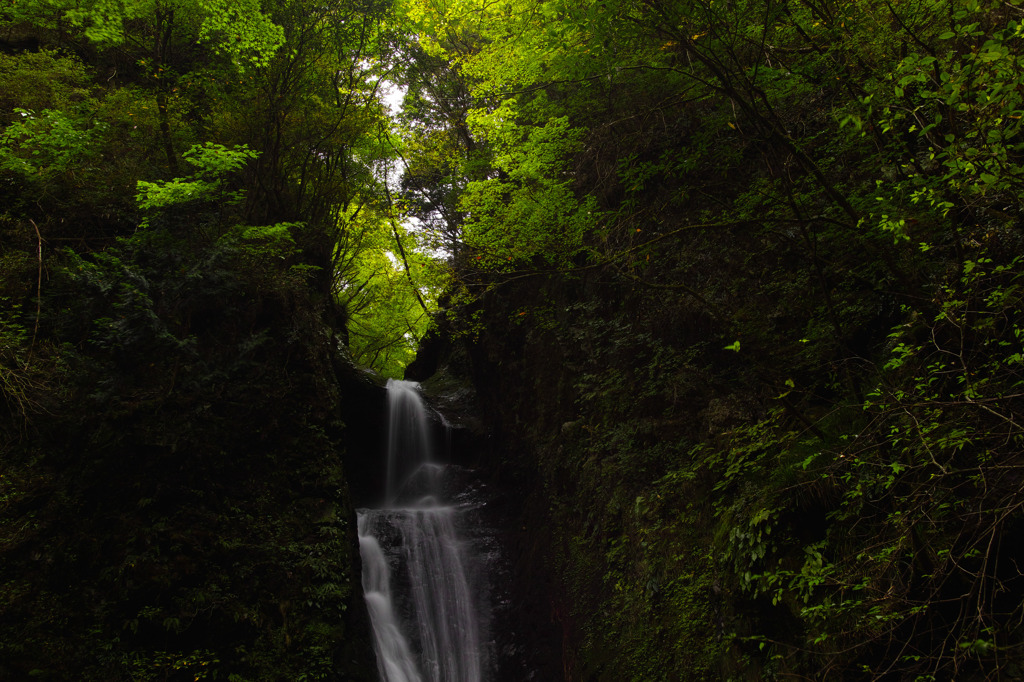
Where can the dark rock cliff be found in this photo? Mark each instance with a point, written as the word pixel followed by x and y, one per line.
pixel 179 510
pixel 675 512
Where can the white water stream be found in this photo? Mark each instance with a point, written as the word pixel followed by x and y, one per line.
pixel 416 570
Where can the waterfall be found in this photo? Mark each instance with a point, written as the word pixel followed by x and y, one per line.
pixel 418 572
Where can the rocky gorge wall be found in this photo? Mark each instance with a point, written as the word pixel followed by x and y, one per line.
pixel 177 507
pixel 616 587
pixel 678 516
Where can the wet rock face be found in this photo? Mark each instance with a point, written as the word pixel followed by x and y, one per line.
pixel 527 640
pixel 724 413
pixel 429 356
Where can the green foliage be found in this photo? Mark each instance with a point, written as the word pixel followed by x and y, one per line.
pixel 252 38
pixel 241 30
pixel 960 104
pixel 803 218
pixel 386 317
pixel 41 80
pixel 511 216
pixel 215 84
pixel 50 141
pixel 213 161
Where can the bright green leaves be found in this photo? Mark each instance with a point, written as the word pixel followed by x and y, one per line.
pixel 240 29
pixel 48 142
pixel 519 201
pixel 525 153
pixel 388 288
pixel 69 145
pixel 978 104
pixel 326 154
pixel 172 192
pixel 103 21
pixel 213 162
pixel 529 210
pixel 216 166
pixel 386 320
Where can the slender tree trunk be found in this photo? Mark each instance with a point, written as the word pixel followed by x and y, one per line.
pixel 161 57
pixel 165 131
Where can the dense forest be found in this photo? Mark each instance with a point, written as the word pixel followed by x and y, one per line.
pixel 734 286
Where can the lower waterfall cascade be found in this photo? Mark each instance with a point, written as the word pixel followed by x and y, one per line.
pixel 424 579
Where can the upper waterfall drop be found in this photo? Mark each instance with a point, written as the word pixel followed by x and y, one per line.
pixel 409 447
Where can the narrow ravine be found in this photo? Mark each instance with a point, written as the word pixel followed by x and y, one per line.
pixel 424 588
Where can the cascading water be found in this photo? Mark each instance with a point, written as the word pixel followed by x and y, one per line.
pixel 418 577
